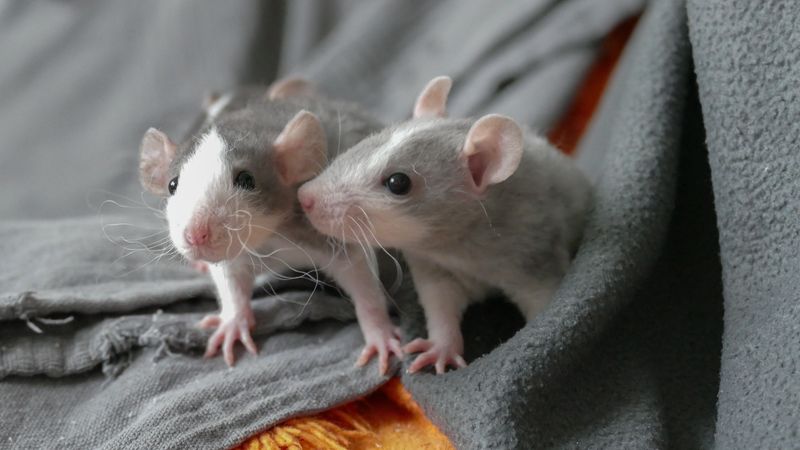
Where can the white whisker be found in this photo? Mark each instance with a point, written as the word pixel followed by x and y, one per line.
pixel 397 266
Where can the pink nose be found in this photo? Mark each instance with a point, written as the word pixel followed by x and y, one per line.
pixel 198 235
pixel 306 201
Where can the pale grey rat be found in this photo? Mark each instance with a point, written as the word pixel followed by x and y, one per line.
pixel 474 206
pixel 232 203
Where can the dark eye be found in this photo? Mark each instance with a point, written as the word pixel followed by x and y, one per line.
pixel 398 183
pixel 245 181
pixel 173 184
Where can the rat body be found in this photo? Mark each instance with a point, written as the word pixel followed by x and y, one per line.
pixel 474 206
pixel 232 204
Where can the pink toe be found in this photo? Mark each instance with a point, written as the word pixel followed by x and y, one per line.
pixel 365 356
pixel 213 344
pixel 227 349
pixel 422 360
pixel 209 322
pixel 395 347
pixel 249 344
pixel 417 345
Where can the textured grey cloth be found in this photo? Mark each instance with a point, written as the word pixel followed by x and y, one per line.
pixel 748 76
pixel 184 401
pixel 98 346
pixel 87 304
pixel 102 298
pixel 627 355
pixel 82 80
pixel 631 354
pixel 536 50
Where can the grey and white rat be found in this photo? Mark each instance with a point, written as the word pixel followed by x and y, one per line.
pixel 474 206
pixel 232 203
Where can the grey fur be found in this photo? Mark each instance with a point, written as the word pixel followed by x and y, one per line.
pixel 521 234
pixel 250 123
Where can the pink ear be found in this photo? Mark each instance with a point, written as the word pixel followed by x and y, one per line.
pixel 432 102
pixel 156 153
pixel 493 150
pixel 290 87
pixel 301 150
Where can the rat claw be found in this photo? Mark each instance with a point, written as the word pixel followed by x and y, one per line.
pixel 418 345
pixel 229 330
pixel 383 360
pixel 439 355
pixel 381 341
pixel 396 348
pixel 422 360
pixel 227 349
pixel 247 340
pixel 365 356
pixel 213 344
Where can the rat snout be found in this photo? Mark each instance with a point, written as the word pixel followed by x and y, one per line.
pixel 316 207
pixel 198 234
pixel 306 199
pixel 307 196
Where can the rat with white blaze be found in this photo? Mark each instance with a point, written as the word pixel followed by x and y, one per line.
pixel 475 206
pixel 232 203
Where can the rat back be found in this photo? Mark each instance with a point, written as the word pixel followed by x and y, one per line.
pixel 345 123
pixel 532 221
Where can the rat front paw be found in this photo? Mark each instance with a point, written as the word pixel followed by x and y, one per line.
pixel 229 330
pixel 383 341
pixel 438 354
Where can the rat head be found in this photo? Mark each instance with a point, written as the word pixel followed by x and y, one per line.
pixel 229 188
pixel 413 183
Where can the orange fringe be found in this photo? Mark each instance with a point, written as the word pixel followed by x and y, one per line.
pixel 387 419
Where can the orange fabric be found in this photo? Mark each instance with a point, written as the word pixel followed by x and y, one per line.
pixel 389 418
pixel 567 132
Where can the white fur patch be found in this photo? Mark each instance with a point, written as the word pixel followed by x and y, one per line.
pixel 381 155
pixel 206 194
pixel 198 177
pixel 203 168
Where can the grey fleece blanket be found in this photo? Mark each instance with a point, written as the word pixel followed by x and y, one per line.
pixel 675 328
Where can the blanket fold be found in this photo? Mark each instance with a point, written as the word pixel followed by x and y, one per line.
pixel 695 225
pixel 587 369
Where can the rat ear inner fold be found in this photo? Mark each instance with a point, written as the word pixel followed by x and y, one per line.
pixel 492 151
pixel 301 150
pixel 156 153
